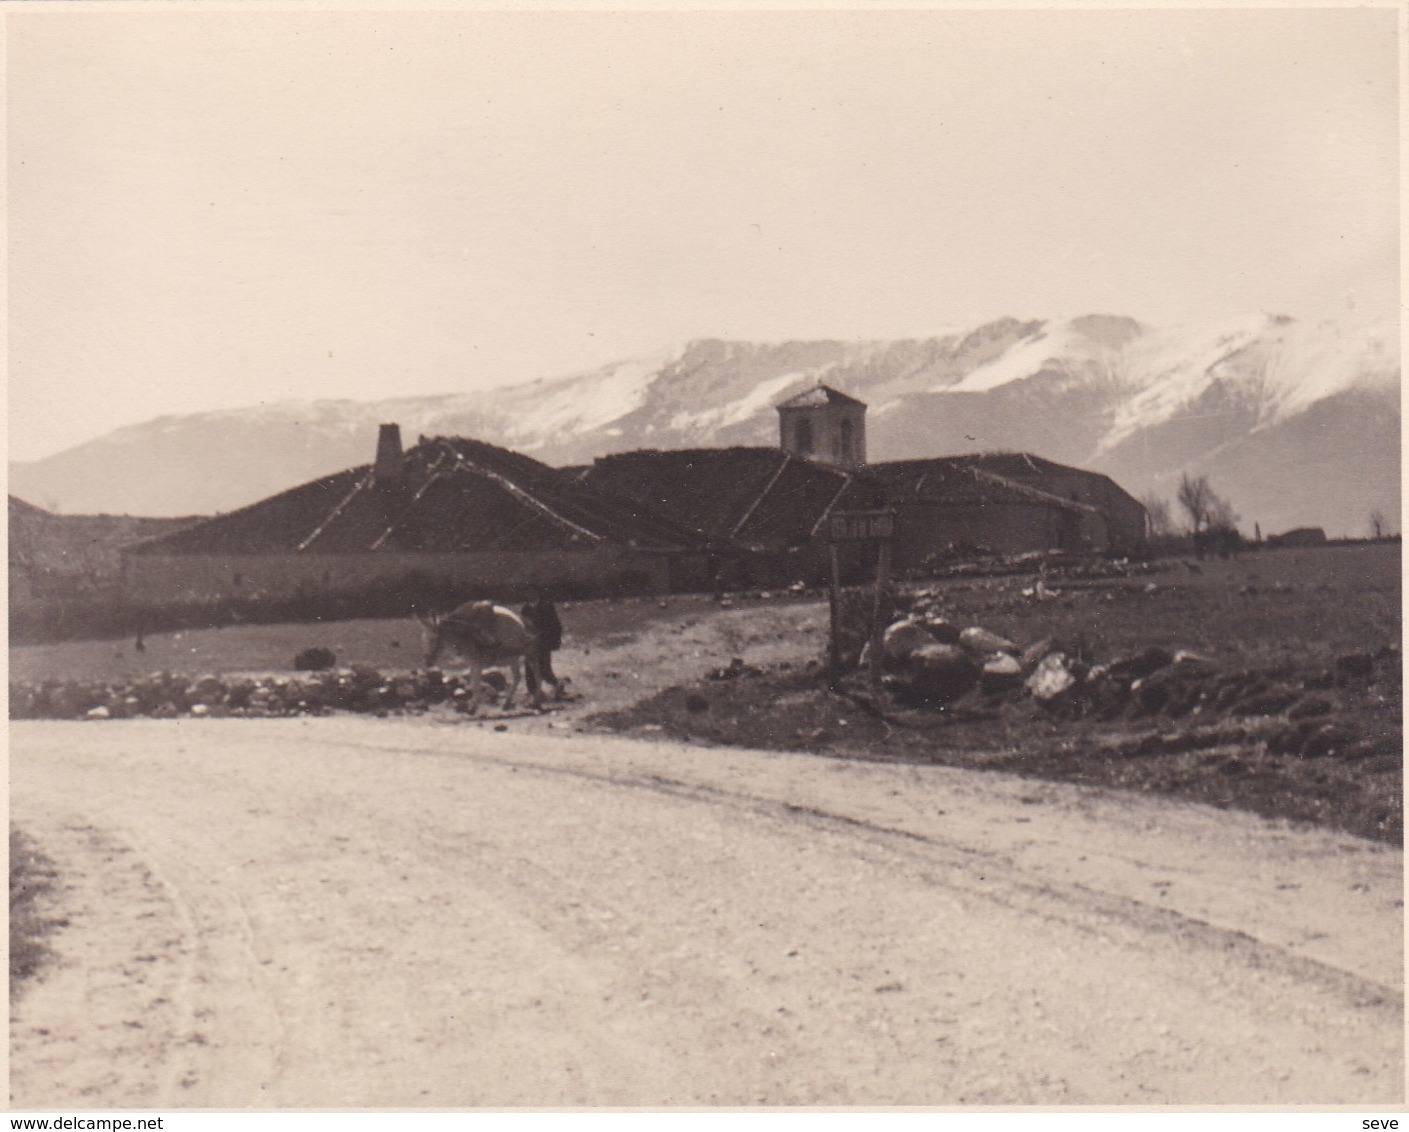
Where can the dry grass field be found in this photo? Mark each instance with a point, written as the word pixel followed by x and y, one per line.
pixel 32 880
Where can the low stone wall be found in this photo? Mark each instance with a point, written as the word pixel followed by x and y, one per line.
pixel 258 577
pixel 166 696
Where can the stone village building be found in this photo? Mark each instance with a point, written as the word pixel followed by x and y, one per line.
pixel 484 520
pixel 450 513
pixel 771 504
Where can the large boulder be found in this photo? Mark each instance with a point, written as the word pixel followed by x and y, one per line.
pixel 207 690
pixel 981 642
pixel 1032 656
pixel 1140 665
pixel 1001 673
pixel 1051 679
pixel 901 639
pixel 939 674
pixel 942 631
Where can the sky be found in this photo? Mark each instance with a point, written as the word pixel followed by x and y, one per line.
pixel 214 208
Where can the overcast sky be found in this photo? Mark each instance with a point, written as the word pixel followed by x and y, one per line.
pixel 212 209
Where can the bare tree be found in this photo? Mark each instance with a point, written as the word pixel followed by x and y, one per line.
pixel 1197 498
pixel 1221 515
pixel 1378 525
pixel 1213 522
pixel 1160 520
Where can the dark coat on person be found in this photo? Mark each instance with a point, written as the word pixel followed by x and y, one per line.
pixel 542 618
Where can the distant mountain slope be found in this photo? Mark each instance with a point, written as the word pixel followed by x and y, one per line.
pixel 1296 423
pixel 89 546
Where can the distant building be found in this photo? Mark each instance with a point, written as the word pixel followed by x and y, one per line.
pixel 824 425
pixel 763 511
pixel 462 514
pixel 1006 503
pixel 1299 537
pixel 760 510
pixel 949 507
pixel 1125 522
pixel 451 511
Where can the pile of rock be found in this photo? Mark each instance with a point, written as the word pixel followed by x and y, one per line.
pixel 163 695
pixel 929 662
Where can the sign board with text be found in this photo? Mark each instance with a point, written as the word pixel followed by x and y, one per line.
pixel 860 526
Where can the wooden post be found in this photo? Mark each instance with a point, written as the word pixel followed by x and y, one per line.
pixel 834 603
pixel 877 628
pixel 863 527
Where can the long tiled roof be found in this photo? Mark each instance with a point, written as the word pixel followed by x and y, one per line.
pixel 754 497
pixel 453 495
pixel 956 480
pixel 1026 467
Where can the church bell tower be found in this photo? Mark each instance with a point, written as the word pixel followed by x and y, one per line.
pixel 824 425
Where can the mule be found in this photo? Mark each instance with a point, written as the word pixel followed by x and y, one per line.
pixel 485 635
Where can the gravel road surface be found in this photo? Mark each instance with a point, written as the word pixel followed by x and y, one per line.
pixel 344 912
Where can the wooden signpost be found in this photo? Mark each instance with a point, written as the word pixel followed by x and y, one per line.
pixel 860 526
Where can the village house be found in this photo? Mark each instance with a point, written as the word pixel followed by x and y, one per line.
pixel 761 510
pixel 1001 503
pixel 770 504
pixel 463 515
pixel 450 513
pixel 953 507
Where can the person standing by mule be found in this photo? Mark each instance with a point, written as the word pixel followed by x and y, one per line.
pixel 540 615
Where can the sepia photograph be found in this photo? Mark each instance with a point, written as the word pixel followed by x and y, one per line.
pixel 773 559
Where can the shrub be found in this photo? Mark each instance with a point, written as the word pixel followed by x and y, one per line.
pixel 315 659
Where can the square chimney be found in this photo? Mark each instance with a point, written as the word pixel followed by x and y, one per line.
pixel 390 461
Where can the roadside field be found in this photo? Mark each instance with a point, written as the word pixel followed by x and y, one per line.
pixel 1298 713
pixel 386 644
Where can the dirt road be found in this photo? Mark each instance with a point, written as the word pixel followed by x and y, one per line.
pixel 350 913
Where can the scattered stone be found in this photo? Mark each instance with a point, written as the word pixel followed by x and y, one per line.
pixel 901 639
pixel 733 670
pixel 1031 656
pixel 1142 664
pixel 942 631
pixel 1001 673
pixel 1051 678
pixel 983 643
pixel 937 675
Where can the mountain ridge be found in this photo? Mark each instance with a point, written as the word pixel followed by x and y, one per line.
pixel 1233 399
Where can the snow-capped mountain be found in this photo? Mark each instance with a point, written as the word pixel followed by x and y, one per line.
pixel 1296 423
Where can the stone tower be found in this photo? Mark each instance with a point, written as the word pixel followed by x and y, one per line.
pixel 824 425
